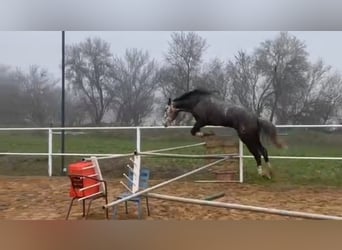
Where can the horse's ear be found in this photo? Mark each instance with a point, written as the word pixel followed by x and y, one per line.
pixel 169 102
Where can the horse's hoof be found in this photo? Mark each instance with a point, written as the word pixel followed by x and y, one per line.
pixel 265 173
pixel 268 174
pixel 199 134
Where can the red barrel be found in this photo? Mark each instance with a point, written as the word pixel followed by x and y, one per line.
pixel 84 168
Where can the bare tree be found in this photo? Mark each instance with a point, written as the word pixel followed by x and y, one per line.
pixel 304 106
pixel 182 66
pixel 214 76
pixel 136 81
pixel 323 97
pixel 11 108
pixel 183 61
pixel 75 112
pixel 283 61
pixel 89 71
pixel 278 79
pixel 39 98
pixel 248 87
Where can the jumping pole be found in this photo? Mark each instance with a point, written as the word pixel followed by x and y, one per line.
pixel 245 207
pixel 212 156
pixel 163 183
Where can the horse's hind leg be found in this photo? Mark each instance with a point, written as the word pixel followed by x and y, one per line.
pixel 257 156
pixel 254 149
pixel 254 146
pixel 264 153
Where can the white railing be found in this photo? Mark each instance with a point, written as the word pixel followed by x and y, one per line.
pixel 51 130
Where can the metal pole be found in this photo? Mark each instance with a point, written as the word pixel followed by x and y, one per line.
pixel 241 161
pixel 63 169
pixel 175 148
pixel 50 153
pixel 137 164
pixel 212 156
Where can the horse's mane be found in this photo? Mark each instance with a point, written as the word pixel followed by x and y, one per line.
pixel 198 91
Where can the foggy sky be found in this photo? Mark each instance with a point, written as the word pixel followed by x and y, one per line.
pixel 43 48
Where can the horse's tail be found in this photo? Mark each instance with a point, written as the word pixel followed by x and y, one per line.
pixel 270 130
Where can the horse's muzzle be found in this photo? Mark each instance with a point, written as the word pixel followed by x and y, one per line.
pixel 166 120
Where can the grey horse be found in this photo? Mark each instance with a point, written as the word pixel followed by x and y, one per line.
pixel 209 110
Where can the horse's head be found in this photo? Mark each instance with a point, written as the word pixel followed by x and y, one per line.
pixel 170 113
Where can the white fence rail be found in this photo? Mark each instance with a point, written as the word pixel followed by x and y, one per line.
pixel 52 130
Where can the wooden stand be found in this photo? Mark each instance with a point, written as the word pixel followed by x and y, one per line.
pixel 227 171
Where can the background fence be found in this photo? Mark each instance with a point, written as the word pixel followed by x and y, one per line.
pixel 21 149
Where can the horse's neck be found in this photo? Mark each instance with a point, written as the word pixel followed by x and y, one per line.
pixel 186 105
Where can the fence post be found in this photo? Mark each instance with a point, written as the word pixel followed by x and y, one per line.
pixel 50 153
pixel 137 163
pixel 241 160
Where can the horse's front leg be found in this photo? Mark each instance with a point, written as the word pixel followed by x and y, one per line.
pixel 196 130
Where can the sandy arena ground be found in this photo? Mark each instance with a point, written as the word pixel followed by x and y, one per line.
pixel 44 198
